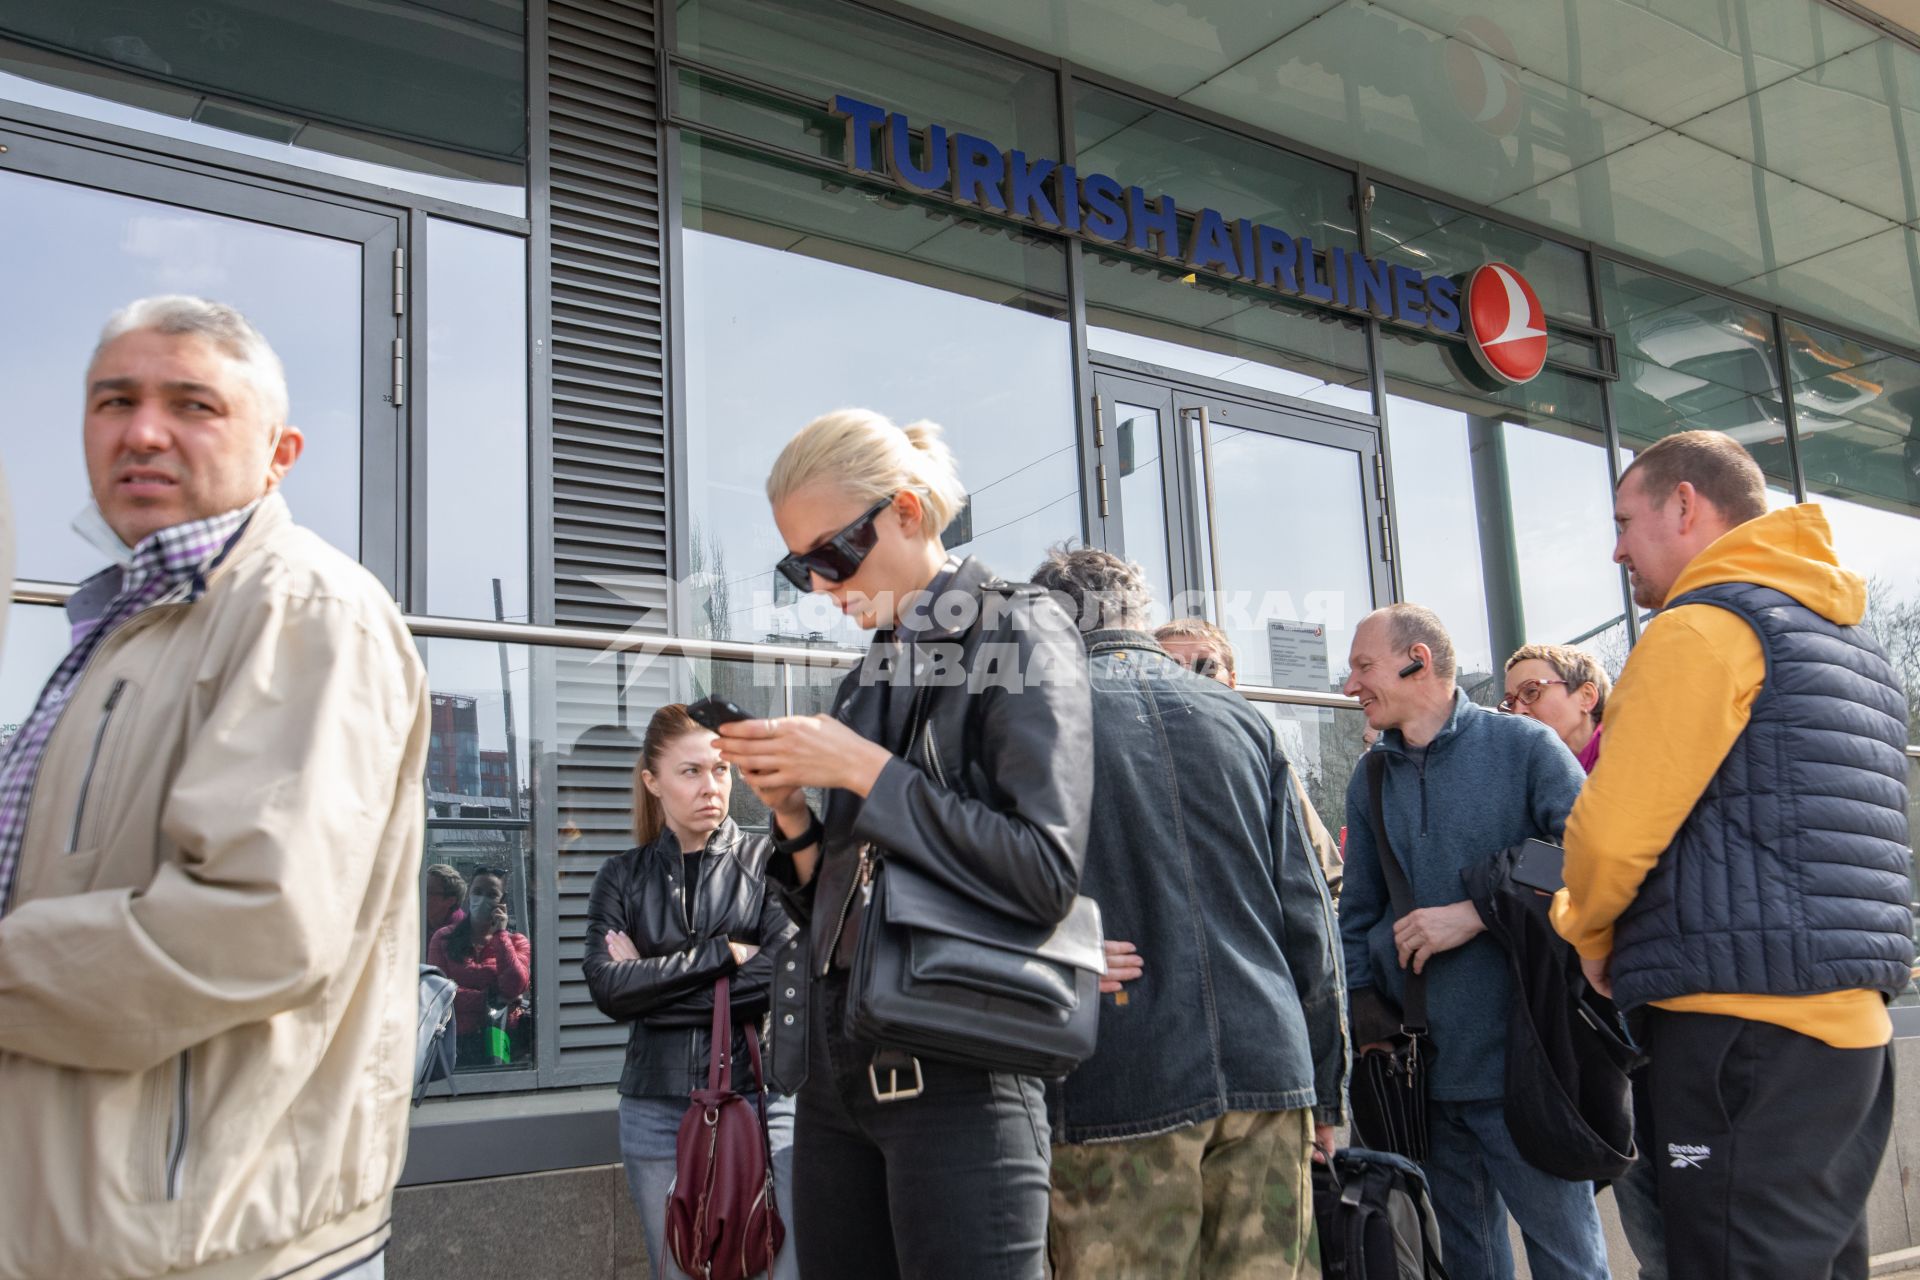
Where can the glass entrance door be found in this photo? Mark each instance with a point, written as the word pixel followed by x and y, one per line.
pixel 83 233
pixel 1268 521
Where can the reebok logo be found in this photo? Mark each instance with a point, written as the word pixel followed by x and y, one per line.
pixel 1684 1156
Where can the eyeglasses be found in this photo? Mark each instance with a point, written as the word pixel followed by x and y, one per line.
pixel 839 557
pixel 1527 694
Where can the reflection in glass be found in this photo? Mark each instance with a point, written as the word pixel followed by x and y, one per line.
pixel 1506 531
pixel 1860 449
pixel 1693 360
pixel 485 947
pixel 1445 369
pixel 407 95
pixel 1142 497
pixel 1855 408
pixel 1561 499
pixel 1229 333
pixel 1438 239
pixel 1203 167
pixel 1161 314
pixel 802 297
pixel 814 49
pixel 1324 746
pixel 1295 571
pixel 476 421
pixel 72 255
pixel 1439 545
pixel 479 850
pixel 37 637
pixel 1884 548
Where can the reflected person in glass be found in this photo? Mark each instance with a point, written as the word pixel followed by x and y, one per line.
pixel 492 964
pixel 686 906
pixel 445 890
pixel 949 1180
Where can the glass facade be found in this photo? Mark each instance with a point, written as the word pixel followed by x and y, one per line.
pixel 1280 467
pixel 1690 359
pixel 801 300
pixel 477 530
pixel 410 95
pixel 75 253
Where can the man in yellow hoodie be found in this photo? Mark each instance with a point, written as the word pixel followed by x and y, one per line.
pixel 1737 867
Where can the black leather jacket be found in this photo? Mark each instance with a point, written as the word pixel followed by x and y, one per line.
pixel 668 993
pixel 996 791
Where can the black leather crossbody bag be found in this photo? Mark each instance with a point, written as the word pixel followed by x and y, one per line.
pixel 939 975
pixel 1389 1090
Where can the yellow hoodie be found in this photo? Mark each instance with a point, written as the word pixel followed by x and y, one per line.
pixel 1681 703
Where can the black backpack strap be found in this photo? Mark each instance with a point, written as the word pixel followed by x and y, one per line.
pixel 1413 1012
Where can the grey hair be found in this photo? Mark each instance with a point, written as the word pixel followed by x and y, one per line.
pixel 1102 590
pixel 217 324
pixel 1411 624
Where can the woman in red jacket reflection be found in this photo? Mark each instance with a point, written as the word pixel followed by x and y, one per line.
pixel 491 963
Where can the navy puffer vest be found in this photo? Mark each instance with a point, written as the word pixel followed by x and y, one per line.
pixel 1790 877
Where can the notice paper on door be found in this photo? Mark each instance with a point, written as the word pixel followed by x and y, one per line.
pixel 1298 653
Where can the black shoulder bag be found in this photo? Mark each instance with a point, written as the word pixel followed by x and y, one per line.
pixel 1389 1090
pixel 937 975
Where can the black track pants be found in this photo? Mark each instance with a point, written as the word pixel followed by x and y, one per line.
pixel 1765 1143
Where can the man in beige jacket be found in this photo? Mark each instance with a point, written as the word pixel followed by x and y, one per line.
pixel 210 828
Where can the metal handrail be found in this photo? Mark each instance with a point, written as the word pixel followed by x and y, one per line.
pixel 438 628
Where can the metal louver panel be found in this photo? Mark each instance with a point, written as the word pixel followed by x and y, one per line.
pixel 609 475
pixel 610 478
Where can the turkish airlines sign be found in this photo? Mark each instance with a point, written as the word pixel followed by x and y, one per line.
pixel 1497 311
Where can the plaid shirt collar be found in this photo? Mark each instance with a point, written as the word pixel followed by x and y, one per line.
pixel 170 561
pixel 171 564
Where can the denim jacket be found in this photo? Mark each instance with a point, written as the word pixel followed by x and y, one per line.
pixel 1198 855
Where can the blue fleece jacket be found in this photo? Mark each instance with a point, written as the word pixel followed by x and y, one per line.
pixel 1489 781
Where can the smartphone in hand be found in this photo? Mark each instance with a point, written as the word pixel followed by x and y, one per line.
pixel 713 711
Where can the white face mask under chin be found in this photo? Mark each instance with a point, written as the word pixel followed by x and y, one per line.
pixel 92 525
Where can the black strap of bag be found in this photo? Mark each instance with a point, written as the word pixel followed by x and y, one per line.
pixel 1389 1090
pixel 1413 1009
pixel 937 975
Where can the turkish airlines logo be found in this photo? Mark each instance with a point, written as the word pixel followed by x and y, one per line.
pixel 1505 323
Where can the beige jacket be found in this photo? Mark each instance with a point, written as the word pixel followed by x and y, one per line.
pixel 1325 848
pixel 208 974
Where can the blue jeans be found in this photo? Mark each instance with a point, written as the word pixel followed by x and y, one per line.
pixel 1637 1195
pixel 647 1130
pixel 1477 1177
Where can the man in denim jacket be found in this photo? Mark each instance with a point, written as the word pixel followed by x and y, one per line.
pixel 1183 1144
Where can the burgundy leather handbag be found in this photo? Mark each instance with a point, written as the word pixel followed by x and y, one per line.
pixel 721 1215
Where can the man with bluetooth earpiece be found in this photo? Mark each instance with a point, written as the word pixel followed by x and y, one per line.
pixel 1457 784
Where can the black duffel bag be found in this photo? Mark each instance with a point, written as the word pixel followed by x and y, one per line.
pixel 938 975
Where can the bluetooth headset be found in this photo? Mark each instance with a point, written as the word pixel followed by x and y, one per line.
pixel 1416 665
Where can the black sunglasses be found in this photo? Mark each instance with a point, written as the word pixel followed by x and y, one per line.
pixel 839 557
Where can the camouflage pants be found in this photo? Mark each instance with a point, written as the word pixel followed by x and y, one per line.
pixel 1229 1199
